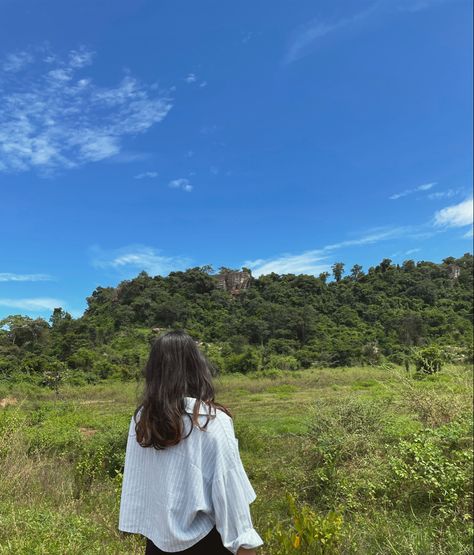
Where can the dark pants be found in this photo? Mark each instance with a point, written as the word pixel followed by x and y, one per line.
pixel 209 545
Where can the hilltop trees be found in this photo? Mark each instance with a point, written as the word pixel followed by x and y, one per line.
pixel 358 319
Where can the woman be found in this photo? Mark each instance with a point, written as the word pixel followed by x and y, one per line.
pixel 184 485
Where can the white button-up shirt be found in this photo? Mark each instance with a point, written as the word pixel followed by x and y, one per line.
pixel 176 495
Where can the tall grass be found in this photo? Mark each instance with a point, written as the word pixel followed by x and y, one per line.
pixel 349 461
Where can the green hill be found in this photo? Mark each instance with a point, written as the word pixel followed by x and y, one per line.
pixel 246 323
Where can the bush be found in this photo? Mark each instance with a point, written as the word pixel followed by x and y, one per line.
pixel 101 456
pixel 428 360
pixel 248 361
pixel 433 470
pixel 340 448
pixel 283 362
pixel 311 533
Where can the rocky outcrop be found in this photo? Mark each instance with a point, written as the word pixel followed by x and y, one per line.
pixel 233 281
pixel 454 271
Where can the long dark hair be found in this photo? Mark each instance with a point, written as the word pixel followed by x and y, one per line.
pixel 176 368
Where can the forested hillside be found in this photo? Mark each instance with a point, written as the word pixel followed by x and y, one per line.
pixel 246 323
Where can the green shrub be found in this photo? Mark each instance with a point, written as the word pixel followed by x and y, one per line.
pixel 245 362
pixel 432 470
pixel 428 360
pixel 340 449
pixel 311 533
pixel 103 455
pixel 283 362
pixel 249 437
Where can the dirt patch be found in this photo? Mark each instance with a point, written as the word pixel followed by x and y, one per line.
pixel 87 432
pixel 7 401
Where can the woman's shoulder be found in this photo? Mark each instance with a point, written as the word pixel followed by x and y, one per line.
pixel 223 426
pixel 223 418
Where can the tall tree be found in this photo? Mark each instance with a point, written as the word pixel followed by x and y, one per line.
pixel 356 271
pixel 338 270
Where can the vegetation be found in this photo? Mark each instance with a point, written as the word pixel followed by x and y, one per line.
pixel 352 403
pixel 418 313
pixel 343 461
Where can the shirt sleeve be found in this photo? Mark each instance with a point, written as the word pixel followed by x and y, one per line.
pixel 232 493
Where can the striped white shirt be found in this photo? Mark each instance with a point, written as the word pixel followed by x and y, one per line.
pixel 175 496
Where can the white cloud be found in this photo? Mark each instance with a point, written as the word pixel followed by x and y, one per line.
pixel 417 5
pixel 190 78
pixel 37 304
pixel 52 118
pixel 81 57
pixel 305 38
pixel 146 175
pixel 469 234
pixel 309 262
pixel 372 236
pixel 458 215
pixel 137 258
pixel 181 183
pixel 307 35
pixel 424 187
pixel 8 276
pixel 16 61
pixel 444 194
pixel 305 263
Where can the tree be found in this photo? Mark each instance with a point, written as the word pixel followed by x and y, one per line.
pixel 408 265
pixel 411 329
pixel 338 270
pixel 324 276
pixel 356 272
pixel 385 265
pixel 24 332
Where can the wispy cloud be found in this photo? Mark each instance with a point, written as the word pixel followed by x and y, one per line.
pixel 306 37
pixel 372 236
pixel 444 194
pixel 146 175
pixel 8 276
pixel 181 183
pixel 457 215
pixel 424 187
pixel 190 78
pixel 417 5
pixel 15 61
pixel 310 262
pixel 56 117
pixel 404 253
pixel 136 258
pixel 37 304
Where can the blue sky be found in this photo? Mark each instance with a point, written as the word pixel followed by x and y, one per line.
pixel 283 136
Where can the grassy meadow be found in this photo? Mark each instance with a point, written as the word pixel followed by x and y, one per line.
pixel 361 460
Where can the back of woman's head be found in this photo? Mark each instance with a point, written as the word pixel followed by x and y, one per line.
pixel 176 368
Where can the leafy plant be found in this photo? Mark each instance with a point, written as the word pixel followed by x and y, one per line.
pixel 310 532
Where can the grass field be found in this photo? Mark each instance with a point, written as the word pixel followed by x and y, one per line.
pixel 377 462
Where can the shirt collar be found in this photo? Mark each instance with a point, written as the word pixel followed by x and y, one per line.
pixel 189 404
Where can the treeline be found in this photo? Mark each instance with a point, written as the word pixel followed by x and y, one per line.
pixel 278 321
